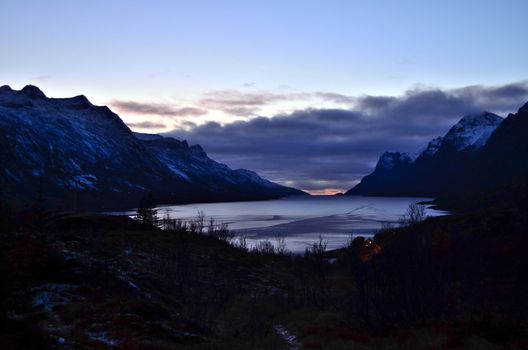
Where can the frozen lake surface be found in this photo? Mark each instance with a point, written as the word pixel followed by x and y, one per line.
pixel 301 220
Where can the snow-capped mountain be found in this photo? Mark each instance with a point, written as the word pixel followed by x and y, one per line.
pixel 390 160
pixel 71 152
pixel 472 131
pixel 191 164
pixel 440 167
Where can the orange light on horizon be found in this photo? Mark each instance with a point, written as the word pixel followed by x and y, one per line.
pixel 325 191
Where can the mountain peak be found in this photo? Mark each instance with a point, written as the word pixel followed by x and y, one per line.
pixel 81 99
pixel 5 88
pixel 483 118
pixel 389 160
pixel 198 150
pixel 91 151
pixel 32 91
pixel 78 102
pixel 166 140
pixel 472 131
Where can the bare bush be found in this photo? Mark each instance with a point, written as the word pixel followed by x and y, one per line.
pixel 387 226
pixel 197 226
pixel 192 227
pixel 318 248
pixel 169 224
pixel 199 222
pixel 241 243
pixel 211 227
pixel 415 214
pixel 264 247
pixel 281 246
pixel 222 232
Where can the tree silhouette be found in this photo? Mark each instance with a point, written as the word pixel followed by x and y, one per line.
pixel 146 212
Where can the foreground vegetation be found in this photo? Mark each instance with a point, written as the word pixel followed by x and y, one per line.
pixel 90 281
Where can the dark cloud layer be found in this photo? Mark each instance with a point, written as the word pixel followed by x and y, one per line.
pixel 156 109
pixel 315 149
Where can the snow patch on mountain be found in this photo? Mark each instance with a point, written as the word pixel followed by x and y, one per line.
pixel 193 165
pixel 433 146
pixel 85 181
pixel 472 131
pixel 177 171
pixel 63 139
pixel 62 144
pixel 389 160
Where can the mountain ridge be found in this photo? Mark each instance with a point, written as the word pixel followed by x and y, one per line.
pixel 75 154
pixel 451 163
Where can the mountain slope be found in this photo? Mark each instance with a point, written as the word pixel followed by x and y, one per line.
pixel 192 165
pixel 75 154
pixel 391 170
pixel 471 132
pixel 441 167
pixel 499 176
pixel 504 158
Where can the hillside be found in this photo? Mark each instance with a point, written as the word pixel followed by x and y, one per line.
pixel 481 152
pixel 73 154
pixel 78 281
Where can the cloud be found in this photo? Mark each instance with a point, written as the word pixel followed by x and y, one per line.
pixel 237 103
pixel 152 108
pixel 147 125
pixel 334 97
pixel 502 98
pixel 189 112
pixel 42 78
pixel 248 104
pixel 318 149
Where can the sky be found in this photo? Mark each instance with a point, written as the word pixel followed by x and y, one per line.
pixel 306 93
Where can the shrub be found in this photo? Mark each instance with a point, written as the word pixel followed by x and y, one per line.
pixel 415 213
pixel 317 249
pixel 281 246
pixel 264 247
pixel 241 243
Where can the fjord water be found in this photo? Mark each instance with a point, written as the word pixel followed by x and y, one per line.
pixel 301 220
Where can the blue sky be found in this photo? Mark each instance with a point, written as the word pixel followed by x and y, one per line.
pixel 145 49
pixel 181 64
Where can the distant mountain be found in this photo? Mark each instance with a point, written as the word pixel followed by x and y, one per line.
pixel 391 170
pixel 451 163
pixel 470 133
pixel 75 154
pixel 192 165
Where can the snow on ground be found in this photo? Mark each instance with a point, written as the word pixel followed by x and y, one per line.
pixel 289 338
